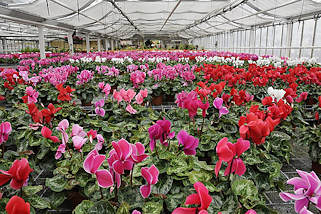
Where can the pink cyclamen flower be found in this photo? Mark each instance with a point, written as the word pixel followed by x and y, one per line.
pixel 306 189
pixel 100 142
pixel 303 96
pixel 78 142
pixel 62 127
pixel 61 150
pixel 91 165
pixel 77 131
pixel 227 151
pixel 201 198
pixel 32 95
pixel 189 142
pixel 130 109
pixel 144 92
pixel 136 212
pixel 117 96
pixel 99 108
pixel 139 99
pixel 151 176
pixel 5 130
pixel 218 104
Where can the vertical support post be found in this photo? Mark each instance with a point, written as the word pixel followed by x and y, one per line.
pixel 314 33
pixel 267 39
pixel 289 39
pixel 260 41
pixel 70 43
pixel 112 45
pixel 99 44
pixel 273 41
pixel 106 44
pixel 4 46
pixel 282 37
pixel 87 43
pixel 41 42
pixel 301 41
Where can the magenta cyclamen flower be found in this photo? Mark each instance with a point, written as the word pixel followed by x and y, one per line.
pixel 5 130
pixel 91 165
pixel 138 152
pixel 218 104
pixel 119 157
pixel 306 189
pixel 160 131
pixel 189 142
pixel 151 176
pixel 99 108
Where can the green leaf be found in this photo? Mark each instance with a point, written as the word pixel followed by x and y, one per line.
pixel 83 207
pixel 123 209
pixel 153 207
pixel 31 190
pixel 247 192
pixel 202 176
pixel 56 199
pixel 57 183
pixel 39 202
pixel 101 207
pixel 166 186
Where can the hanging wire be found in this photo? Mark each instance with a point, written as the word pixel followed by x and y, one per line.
pixel 78 11
pixel 48 7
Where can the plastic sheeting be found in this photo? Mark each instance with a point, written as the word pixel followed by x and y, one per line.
pixel 189 18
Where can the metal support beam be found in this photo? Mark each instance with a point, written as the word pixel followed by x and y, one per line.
pixel 87 43
pixel 41 42
pixel 171 13
pixel 70 43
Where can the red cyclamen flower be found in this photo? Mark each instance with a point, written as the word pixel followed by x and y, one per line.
pixel 201 198
pixel 18 174
pixel 17 205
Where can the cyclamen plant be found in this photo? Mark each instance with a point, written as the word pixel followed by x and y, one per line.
pixel 306 191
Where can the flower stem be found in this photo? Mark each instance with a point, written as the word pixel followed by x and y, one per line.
pixel 201 132
pixel 101 193
pixel 131 176
pixel 2 150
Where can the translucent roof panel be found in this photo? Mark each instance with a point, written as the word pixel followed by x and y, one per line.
pixel 183 18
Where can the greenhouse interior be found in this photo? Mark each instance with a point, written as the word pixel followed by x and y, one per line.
pixel 160 106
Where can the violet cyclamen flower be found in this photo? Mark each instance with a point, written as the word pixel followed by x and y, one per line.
pixel 218 104
pixel 306 189
pixel 189 142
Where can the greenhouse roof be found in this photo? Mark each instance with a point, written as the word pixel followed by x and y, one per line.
pixel 169 18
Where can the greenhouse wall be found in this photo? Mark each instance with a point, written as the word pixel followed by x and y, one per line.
pixel 293 39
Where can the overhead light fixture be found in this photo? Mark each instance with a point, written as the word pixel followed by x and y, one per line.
pixel 317 1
